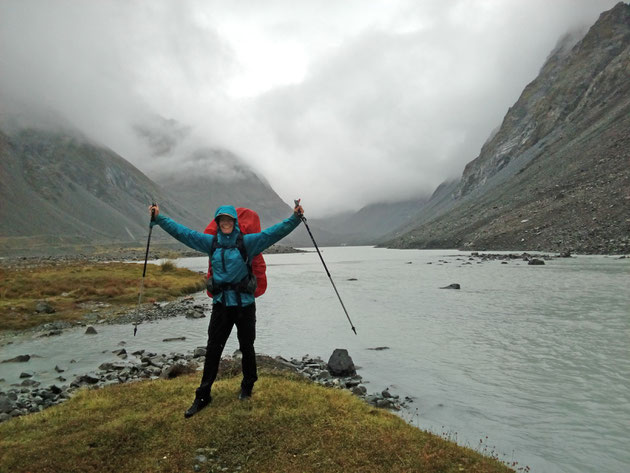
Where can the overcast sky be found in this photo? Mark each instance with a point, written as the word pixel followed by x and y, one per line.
pixel 342 103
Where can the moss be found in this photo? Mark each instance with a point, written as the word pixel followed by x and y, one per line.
pixel 67 286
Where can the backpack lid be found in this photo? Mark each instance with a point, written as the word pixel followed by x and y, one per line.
pixel 248 221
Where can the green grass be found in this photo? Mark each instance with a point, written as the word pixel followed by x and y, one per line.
pixel 290 425
pixel 67 286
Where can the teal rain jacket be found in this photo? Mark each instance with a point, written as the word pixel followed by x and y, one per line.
pixel 227 263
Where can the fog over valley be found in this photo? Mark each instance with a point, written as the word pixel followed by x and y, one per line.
pixel 341 104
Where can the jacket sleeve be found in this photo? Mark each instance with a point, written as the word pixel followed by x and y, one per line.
pixel 191 238
pixel 256 243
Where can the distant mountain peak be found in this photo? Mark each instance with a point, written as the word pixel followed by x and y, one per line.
pixel 553 98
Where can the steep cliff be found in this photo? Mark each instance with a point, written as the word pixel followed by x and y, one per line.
pixel 556 176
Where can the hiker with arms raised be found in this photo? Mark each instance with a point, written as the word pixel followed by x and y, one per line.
pixel 232 285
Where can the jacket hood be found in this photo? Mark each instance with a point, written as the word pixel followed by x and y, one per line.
pixel 229 210
pixel 226 210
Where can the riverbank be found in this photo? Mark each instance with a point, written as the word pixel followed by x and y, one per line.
pixel 29 396
pixel 290 424
pixel 74 292
pixel 28 259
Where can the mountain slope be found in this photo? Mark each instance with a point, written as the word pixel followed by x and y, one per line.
pixel 556 175
pixel 211 177
pixel 370 224
pixel 57 188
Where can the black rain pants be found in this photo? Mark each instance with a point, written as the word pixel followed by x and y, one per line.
pixel 222 320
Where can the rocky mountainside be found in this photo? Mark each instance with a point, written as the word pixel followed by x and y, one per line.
pixel 371 223
pixel 556 175
pixel 59 189
pixel 60 192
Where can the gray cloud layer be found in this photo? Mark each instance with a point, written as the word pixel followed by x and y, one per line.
pixel 359 102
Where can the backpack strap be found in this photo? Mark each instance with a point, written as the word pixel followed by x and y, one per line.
pixel 240 245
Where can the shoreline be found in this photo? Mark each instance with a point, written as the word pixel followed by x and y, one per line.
pixel 34 259
pixel 29 397
pixel 109 314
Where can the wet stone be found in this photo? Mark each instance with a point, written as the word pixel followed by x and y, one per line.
pixel 199 351
pixel 44 307
pixel 18 359
pixel 30 382
pixel 340 363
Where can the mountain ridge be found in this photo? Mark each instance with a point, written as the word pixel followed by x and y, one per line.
pixel 555 175
pixel 57 187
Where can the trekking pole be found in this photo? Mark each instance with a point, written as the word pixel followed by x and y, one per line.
pixel 303 218
pixel 144 271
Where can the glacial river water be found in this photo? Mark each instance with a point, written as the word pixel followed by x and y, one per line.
pixel 531 363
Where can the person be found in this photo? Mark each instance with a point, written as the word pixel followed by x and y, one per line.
pixel 233 300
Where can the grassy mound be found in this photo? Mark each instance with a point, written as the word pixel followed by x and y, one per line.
pixel 290 425
pixel 68 287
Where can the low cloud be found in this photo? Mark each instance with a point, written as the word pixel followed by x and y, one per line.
pixel 364 103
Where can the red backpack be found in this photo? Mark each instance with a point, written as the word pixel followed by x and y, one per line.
pixel 248 222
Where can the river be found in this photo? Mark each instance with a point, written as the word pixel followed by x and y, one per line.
pixel 531 363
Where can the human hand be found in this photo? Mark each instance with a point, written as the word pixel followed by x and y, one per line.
pixel 298 210
pixel 154 211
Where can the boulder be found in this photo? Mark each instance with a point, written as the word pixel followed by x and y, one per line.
pixel 199 351
pixel 44 307
pixel 196 312
pixel 536 262
pixel 18 359
pixel 177 369
pixel 52 333
pixel 111 366
pixel 174 339
pixel 340 363
pixel 6 405
pixel 88 378
pixel 90 330
pixel 452 286
pixel 30 382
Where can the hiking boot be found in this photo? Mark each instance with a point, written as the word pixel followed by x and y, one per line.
pixel 198 404
pixel 246 392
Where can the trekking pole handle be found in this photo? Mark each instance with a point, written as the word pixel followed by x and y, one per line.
pixel 300 214
pixel 153 204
